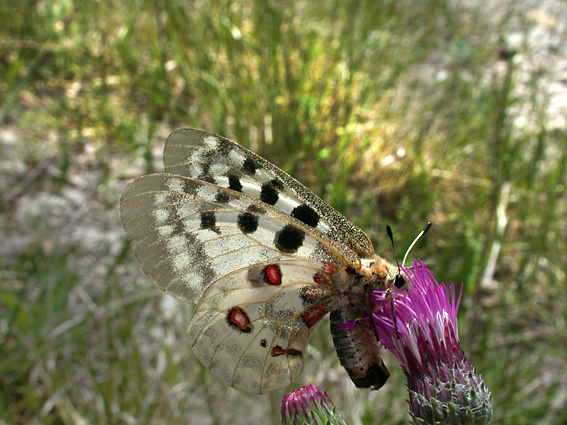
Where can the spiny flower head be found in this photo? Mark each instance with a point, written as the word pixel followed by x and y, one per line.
pixel 420 328
pixel 309 405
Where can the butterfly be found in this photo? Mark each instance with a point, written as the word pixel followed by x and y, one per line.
pixel 262 258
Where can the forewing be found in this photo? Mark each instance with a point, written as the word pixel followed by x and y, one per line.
pixel 209 157
pixel 188 234
pixel 251 326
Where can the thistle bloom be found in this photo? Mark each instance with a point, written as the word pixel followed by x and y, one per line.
pixel 420 329
pixel 309 405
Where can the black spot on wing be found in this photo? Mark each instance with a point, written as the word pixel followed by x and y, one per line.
pixel 268 194
pixel 249 166
pixel 187 187
pixel 294 352
pixel 222 198
pixel 205 168
pixel 306 214
pixel 247 222
pixel 289 239
pixel 277 184
pixel 208 220
pixel 234 183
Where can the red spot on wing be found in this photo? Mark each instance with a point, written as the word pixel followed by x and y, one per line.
pixel 278 351
pixel 238 318
pixel 321 279
pixel 273 274
pixel 313 315
pixel 331 268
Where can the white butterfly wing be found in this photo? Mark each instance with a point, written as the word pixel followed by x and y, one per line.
pixel 257 252
pixel 207 156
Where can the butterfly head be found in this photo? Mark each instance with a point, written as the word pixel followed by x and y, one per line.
pixel 379 274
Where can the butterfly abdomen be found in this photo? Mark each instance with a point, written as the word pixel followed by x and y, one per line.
pixel 358 351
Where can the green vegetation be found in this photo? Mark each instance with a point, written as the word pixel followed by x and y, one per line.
pixel 395 112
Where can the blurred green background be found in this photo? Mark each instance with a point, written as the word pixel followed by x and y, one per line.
pixel 395 112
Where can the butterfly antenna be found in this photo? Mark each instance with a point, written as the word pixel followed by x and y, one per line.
pixel 423 232
pixel 391 236
pixel 399 280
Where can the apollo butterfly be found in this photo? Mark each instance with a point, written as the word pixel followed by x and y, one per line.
pixel 263 259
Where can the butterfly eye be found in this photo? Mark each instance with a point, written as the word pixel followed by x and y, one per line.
pixel 399 281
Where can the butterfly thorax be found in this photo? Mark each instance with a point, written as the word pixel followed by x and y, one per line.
pixel 376 274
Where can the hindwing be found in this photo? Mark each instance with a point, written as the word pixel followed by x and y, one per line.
pixel 251 327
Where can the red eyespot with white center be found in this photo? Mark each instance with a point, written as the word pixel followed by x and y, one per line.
pixel 277 351
pixel 238 319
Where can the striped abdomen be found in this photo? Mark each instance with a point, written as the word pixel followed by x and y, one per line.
pixel 358 351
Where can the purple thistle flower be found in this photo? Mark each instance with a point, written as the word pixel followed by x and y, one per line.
pixel 309 405
pixel 420 328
